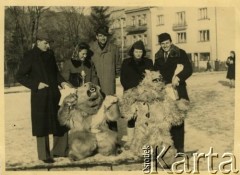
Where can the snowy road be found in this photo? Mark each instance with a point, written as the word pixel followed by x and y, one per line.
pixel 210 121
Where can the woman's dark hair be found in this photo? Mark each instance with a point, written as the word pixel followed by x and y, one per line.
pixel 232 52
pixel 137 45
pixel 79 47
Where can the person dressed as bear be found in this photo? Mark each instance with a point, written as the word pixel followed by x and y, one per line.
pixel 132 73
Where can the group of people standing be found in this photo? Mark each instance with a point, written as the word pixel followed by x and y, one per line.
pixel 98 62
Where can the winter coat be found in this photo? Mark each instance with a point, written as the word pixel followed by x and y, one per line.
pixel 36 67
pixel 132 72
pixel 107 63
pixel 72 72
pixel 231 67
pixel 168 67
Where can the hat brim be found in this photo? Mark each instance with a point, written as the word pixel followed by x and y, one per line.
pixel 104 33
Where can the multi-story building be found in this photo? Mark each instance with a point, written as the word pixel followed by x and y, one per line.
pixel 118 28
pixel 130 25
pixel 205 33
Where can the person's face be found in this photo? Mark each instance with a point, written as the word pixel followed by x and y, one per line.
pixel 166 45
pixel 137 53
pixel 82 54
pixel 102 39
pixel 231 54
pixel 43 45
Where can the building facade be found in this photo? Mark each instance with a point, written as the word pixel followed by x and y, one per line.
pixel 205 33
pixel 130 25
pixel 201 31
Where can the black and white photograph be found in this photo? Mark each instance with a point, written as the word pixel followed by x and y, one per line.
pixel 146 89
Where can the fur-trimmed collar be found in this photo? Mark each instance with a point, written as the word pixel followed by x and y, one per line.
pixel 78 63
pixel 173 52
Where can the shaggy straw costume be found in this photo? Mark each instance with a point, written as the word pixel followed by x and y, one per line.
pixel 86 114
pixel 156 112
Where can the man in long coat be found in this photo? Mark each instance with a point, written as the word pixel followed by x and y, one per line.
pixel 38 71
pixel 107 61
pixel 167 59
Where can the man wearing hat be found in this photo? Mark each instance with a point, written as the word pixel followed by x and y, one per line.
pixel 107 61
pixel 38 71
pixel 169 58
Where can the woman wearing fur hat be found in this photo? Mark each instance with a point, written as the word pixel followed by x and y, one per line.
pixel 132 73
pixel 80 68
pixel 133 68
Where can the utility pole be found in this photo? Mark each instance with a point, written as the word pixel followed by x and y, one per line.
pixel 122 38
pixel 216 32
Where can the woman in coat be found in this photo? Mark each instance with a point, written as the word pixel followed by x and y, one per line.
pixel 231 69
pixel 133 68
pixel 38 71
pixel 80 69
pixel 132 73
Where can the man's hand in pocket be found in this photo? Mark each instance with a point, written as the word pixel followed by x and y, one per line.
pixel 42 85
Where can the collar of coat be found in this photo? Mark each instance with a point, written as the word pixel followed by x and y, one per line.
pixel 173 52
pixel 136 62
pixel 78 63
pixel 97 48
pixel 37 50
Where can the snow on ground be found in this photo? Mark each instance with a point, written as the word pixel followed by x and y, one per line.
pixel 209 123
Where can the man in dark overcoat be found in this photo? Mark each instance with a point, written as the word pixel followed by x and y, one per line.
pixel 167 59
pixel 38 71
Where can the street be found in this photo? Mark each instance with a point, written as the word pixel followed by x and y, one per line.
pixel 209 123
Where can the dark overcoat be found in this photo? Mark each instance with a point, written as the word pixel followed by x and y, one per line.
pixel 168 67
pixel 132 71
pixel 231 67
pixel 36 67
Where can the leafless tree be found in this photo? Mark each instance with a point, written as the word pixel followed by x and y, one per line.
pixel 73 21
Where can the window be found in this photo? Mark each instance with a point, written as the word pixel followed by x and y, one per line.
pixel 181 37
pixel 118 23
pixel 204 56
pixel 134 39
pixel 114 24
pixel 133 21
pixel 145 41
pixel 140 37
pixel 203 13
pixel 144 19
pixel 139 20
pixel 180 18
pixel 160 20
pixel 204 35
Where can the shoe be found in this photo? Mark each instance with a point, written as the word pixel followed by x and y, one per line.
pixel 180 150
pixel 57 156
pixel 50 160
